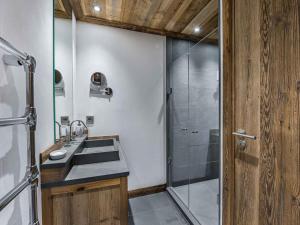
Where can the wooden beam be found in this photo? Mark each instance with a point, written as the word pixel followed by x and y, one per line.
pixel 132 27
pixel 203 17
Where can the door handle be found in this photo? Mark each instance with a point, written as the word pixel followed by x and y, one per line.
pixel 184 129
pixel 242 133
pixel 195 132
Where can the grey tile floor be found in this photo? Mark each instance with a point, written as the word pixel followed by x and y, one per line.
pixel 201 198
pixel 155 209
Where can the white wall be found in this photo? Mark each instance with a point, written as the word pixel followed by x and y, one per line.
pixel 28 25
pixel 134 66
pixel 63 63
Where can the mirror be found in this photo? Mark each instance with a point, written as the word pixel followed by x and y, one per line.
pixel 63 74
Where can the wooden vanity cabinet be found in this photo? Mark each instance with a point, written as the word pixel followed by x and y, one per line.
pixel 102 202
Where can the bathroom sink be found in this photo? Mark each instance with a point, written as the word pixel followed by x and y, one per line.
pixel 96 151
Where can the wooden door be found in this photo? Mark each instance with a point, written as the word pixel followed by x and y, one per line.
pixel 262 96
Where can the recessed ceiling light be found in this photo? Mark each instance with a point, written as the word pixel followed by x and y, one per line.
pixel 197 29
pixel 97 8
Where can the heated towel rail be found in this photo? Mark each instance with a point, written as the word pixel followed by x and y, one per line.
pixel 18 58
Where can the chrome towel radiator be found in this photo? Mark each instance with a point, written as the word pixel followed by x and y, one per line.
pixel 18 58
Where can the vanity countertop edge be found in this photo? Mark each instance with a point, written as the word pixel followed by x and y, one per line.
pixel 78 174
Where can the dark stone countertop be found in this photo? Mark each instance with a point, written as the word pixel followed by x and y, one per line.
pixel 94 171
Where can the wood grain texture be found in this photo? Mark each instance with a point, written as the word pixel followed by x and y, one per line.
pixel 98 203
pixel 247 109
pixel 147 191
pixel 263 45
pixel 280 75
pixel 163 17
pixel 203 17
pixel 228 113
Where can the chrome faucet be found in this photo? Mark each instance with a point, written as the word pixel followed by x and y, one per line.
pixel 59 129
pixel 79 121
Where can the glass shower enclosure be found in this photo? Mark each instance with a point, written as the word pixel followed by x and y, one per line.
pixel 193 100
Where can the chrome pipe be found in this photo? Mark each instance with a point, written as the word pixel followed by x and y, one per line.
pixel 4 201
pixel 9 48
pixel 28 62
pixel 13 121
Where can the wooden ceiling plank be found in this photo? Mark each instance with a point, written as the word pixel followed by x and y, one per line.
pixel 132 27
pixel 140 12
pixel 194 8
pixel 88 8
pixel 116 8
pixel 169 13
pixel 68 7
pixel 59 6
pixel 151 13
pixel 209 26
pixel 128 7
pixel 161 13
pixel 76 6
pixel 183 7
pixel 108 9
pixel 204 16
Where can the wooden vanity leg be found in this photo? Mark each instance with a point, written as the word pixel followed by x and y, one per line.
pixel 124 201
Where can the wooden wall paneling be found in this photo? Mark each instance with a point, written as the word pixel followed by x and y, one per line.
pixel 247 109
pixel 280 75
pixel 203 17
pixel 275 33
pixel 228 112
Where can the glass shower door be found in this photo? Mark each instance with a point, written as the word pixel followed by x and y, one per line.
pixel 204 148
pixel 178 128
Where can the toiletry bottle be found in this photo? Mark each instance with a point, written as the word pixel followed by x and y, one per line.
pixel 79 129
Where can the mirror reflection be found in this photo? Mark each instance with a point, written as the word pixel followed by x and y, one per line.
pixel 63 76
